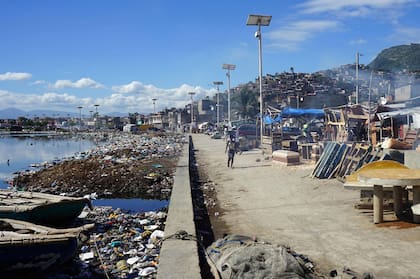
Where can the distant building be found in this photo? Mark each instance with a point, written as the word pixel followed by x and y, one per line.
pixel 206 111
pixel 407 92
pixel 130 128
pixel 159 120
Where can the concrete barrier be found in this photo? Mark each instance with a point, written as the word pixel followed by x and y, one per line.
pixel 179 258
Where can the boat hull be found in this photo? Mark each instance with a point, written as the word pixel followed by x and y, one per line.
pixel 53 213
pixel 40 208
pixel 36 257
pixel 26 247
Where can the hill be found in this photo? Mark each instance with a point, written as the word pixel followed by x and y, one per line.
pixel 398 58
pixel 14 113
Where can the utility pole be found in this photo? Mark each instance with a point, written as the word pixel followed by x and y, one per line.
pixel 80 116
pixel 357 76
pixel 217 83
pixel 192 110
pixel 228 67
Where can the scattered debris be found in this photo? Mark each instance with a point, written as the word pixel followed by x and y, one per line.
pixel 122 245
pixel 127 166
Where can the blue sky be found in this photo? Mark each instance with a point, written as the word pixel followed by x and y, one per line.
pixel 120 54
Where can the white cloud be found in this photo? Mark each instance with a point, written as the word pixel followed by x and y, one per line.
pixel 350 7
pixel 406 35
pixel 358 42
pixel 40 82
pixel 137 96
pixel 132 97
pixel 81 83
pixel 291 36
pixel 15 76
pixel 133 87
pixel 48 100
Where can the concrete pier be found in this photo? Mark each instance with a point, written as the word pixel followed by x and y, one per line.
pixel 179 257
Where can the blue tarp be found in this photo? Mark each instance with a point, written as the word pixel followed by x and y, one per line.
pixel 291 112
pixel 268 120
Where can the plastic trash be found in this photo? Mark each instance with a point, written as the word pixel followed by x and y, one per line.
pixel 86 256
pixel 122 265
pixel 151 227
pixel 416 213
pixel 157 234
pixel 147 271
pixel 132 260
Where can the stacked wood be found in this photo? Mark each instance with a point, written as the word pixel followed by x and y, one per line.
pixel 340 159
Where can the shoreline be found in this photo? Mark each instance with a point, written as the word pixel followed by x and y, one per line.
pixel 126 166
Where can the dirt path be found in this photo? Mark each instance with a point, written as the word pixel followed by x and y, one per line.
pixel 314 217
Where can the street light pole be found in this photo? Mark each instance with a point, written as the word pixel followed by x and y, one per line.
pixel 259 20
pixel 154 107
pixel 357 76
pixel 97 116
pixel 228 67
pixel 217 83
pixel 80 116
pixel 192 110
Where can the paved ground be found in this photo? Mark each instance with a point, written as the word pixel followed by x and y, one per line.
pixel 314 217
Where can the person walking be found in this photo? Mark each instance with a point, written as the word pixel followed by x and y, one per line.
pixel 231 150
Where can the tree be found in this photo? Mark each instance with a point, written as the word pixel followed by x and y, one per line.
pixel 246 103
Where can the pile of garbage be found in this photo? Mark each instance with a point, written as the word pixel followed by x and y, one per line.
pixel 122 245
pixel 126 166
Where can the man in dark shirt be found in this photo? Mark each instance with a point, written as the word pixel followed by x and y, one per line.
pixel 231 150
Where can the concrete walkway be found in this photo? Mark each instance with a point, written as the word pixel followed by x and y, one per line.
pixel 179 257
pixel 314 217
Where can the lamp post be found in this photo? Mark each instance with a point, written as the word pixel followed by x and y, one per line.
pixel 97 115
pixel 192 110
pixel 357 76
pixel 228 67
pixel 80 116
pixel 259 20
pixel 154 105
pixel 217 83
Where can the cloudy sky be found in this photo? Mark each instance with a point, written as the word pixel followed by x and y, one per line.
pixel 120 54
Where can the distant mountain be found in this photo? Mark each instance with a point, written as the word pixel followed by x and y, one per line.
pixel 13 113
pixel 398 58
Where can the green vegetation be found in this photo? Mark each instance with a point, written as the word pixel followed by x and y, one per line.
pixel 398 58
pixel 246 103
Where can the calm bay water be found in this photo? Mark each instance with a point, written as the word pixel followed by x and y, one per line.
pixel 17 153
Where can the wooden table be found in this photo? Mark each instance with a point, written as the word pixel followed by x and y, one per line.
pixel 398 179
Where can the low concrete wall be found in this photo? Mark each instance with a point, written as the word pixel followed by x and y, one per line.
pixel 179 258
